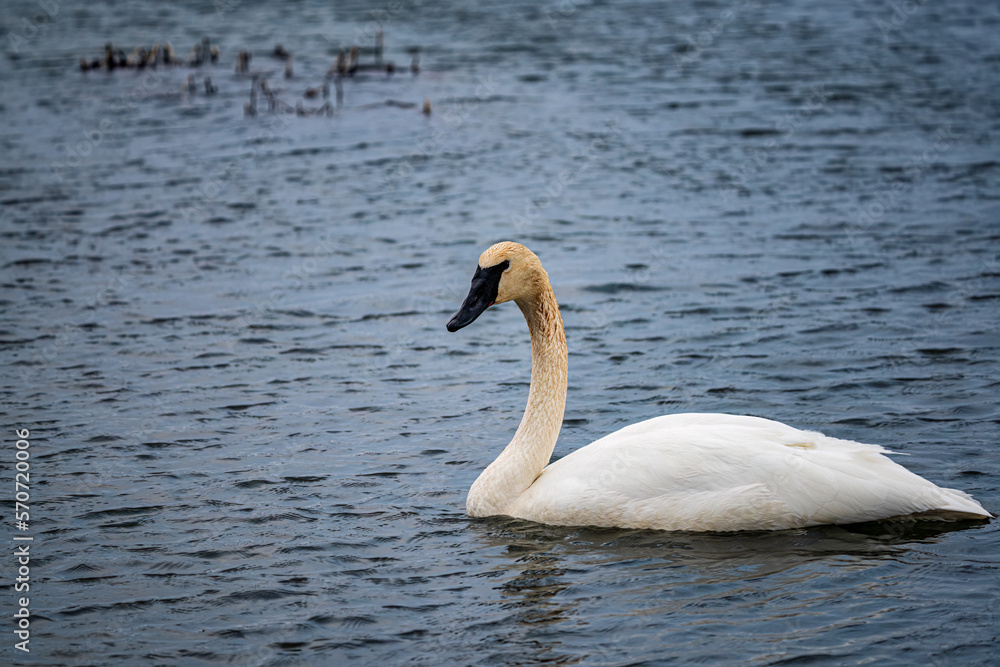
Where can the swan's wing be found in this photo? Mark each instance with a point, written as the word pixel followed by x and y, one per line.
pixel 727 472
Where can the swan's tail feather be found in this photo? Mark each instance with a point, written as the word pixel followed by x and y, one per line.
pixel 963 505
pixel 944 515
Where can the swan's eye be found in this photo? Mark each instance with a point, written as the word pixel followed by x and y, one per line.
pixel 506 265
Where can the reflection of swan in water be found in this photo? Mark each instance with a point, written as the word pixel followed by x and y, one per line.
pixel 770 552
pixel 701 472
pixel 594 582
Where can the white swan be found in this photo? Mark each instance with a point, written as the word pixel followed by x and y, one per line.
pixel 695 472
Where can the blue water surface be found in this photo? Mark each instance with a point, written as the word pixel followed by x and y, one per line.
pixel 251 435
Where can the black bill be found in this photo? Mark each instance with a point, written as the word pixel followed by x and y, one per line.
pixel 482 294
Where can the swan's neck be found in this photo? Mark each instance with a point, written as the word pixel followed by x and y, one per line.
pixel 522 460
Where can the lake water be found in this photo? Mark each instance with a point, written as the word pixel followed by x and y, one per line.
pixel 251 435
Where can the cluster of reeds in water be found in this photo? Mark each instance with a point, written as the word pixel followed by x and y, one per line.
pixel 347 64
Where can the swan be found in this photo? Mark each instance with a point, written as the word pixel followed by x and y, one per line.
pixel 688 472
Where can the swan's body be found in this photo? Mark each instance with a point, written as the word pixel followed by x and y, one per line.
pixel 726 472
pixel 699 472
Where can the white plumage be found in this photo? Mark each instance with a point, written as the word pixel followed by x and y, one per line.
pixel 724 472
pixel 695 472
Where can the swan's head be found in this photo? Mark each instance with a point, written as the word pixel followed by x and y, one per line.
pixel 507 271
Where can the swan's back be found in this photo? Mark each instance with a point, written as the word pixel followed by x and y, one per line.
pixel 727 472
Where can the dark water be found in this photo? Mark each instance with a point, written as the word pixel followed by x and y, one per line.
pixel 251 435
